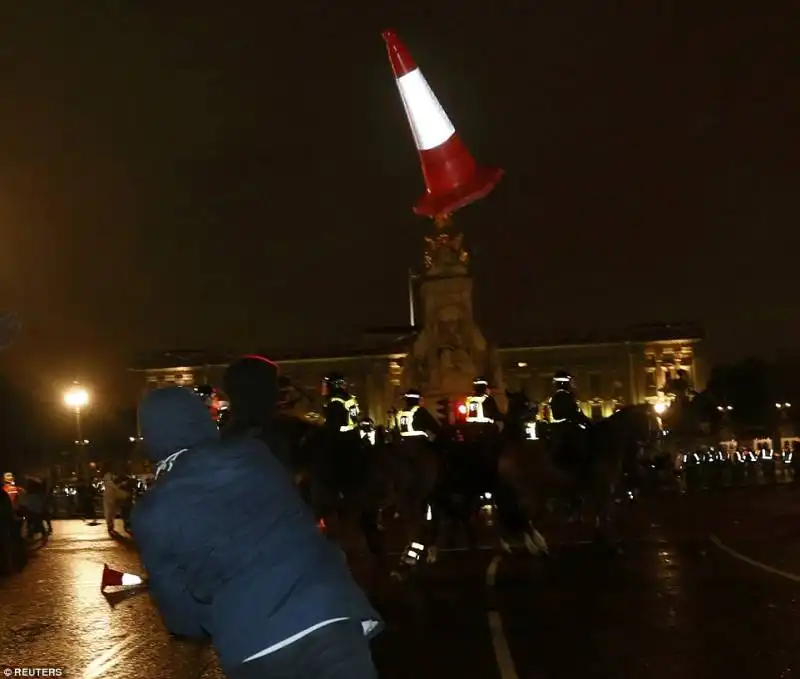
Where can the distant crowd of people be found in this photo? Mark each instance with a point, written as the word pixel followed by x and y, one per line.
pixel 27 509
pixel 718 466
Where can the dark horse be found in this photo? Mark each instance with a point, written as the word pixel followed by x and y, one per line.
pixel 345 486
pixel 608 454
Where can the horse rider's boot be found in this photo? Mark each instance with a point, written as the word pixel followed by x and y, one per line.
pixel 410 559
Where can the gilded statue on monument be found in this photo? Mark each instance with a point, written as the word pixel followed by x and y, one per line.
pixel 445 253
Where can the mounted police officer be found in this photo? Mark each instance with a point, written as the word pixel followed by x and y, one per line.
pixel 482 442
pixel 563 403
pixel 569 426
pixel 414 421
pixel 342 412
pixel 337 464
pixel 482 409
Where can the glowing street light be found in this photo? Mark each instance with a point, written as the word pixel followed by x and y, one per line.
pixel 660 407
pixel 76 398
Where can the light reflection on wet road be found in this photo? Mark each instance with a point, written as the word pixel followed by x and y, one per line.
pixel 55 616
pixel 673 605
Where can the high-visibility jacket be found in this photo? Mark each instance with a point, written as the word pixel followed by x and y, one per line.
pixel 405 423
pixel 351 408
pixel 475 409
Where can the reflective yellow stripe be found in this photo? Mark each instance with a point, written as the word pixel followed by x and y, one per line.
pixel 405 423
pixel 475 413
pixel 352 409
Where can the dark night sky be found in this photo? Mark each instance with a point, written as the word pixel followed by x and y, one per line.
pixel 197 174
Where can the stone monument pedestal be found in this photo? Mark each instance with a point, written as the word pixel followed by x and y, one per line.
pixel 451 351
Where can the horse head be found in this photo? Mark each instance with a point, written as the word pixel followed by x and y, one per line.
pixel 519 405
pixel 638 422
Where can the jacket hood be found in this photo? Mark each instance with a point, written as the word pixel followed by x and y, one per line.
pixel 172 419
pixel 251 385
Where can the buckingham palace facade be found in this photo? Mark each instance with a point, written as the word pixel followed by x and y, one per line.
pixel 632 367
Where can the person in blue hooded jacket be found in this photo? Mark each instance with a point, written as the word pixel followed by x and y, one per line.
pixel 231 552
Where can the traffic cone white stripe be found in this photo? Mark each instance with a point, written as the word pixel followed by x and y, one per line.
pixel 429 123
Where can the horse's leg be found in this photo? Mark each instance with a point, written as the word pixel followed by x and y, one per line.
pixel 373 535
pixel 516 511
pixel 433 520
pixel 422 516
pixel 604 507
pixel 414 548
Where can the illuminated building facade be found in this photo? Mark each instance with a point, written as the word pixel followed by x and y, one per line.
pixel 609 372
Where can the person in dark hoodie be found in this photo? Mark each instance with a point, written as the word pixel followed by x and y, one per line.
pixel 232 552
pixel 251 385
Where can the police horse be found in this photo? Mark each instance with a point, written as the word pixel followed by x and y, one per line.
pixel 570 461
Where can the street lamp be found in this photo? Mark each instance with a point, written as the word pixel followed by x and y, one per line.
pixel 77 398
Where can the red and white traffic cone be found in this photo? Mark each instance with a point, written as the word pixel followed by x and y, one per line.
pixel 452 178
pixel 115 578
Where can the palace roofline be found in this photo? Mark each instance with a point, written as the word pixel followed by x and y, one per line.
pixel 662 333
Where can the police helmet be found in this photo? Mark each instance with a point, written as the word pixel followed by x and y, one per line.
pixel 335 380
pixel 413 395
pixel 562 378
pixel 480 382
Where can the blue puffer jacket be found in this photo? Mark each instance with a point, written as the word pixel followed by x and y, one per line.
pixel 229 546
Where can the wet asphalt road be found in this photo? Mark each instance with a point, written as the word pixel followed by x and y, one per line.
pixel 677 603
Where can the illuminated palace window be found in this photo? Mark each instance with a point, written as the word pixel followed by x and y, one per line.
pixel 395 370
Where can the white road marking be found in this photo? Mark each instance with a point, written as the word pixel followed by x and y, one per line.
pixel 491 572
pixel 502 653
pixel 756 564
pixel 113 656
